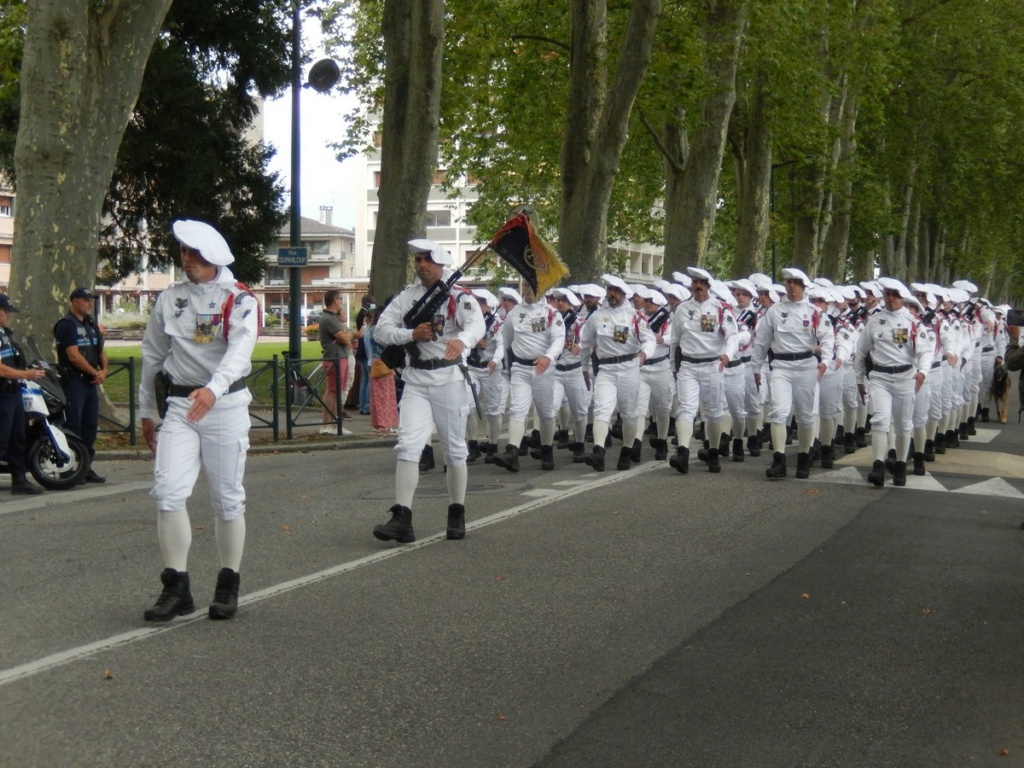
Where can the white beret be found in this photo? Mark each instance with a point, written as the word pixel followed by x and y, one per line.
pixel 760 279
pixel 892 284
pixel 567 294
pixel 438 254
pixel 617 282
pixel 700 274
pixel 792 273
pixel 676 291
pixel 487 296
pixel 743 284
pixel 682 278
pixel 510 293
pixel 202 237
pixel 965 285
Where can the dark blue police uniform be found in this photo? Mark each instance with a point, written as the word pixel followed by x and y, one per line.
pixel 83 395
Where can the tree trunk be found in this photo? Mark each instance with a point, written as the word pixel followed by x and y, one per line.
pixel 413 34
pixel 596 125
pixel 80 78
pixel 692 199
pixel 754 178
pixel 837 238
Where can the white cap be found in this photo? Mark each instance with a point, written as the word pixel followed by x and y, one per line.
pixel 567 294
pixel 915 301
pixel 700 274
pixel 637 287
pixel 892 284
pixel 721 290
pixel 759 279
pixel 965 285
pixel 617 282
pixel 792 273
pixel 438 254
pixel 823 282
pixel 657 298
pixel 870 286
pixel 510 293
pixel 200 236
pixel 676 291
pixel 848 292
pixel 682 278
pixel 487 296
pixel 593 290
pixel 661 284
pixel 743 284
pixel 642 291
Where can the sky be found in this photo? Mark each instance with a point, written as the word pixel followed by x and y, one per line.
pixel 324 181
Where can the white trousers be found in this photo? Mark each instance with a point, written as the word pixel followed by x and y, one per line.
pixel 617 385
pixel 656 390
pixel 794 390
pixel 700 385
pixel 892 395
pixel 530 389
pixel 218 442
pixel 570 387
pixel 426 406
pixel 491 390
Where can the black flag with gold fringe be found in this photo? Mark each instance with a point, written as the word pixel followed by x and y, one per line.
pixel 527 254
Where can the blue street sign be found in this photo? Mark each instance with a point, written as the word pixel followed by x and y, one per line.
pixel 292 257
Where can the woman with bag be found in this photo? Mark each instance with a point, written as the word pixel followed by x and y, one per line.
pixel 383 402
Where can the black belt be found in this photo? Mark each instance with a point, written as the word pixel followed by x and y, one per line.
pixel 615 360
pixel 895 369
pixel 988 349
pixel 477 363
pixel 936 364
pixel 433 365
pixel 184 390
pixel 654 360
pixel 521 360
pixel 570 367
pixel 738 363
pixel 699 360
pixel 791 356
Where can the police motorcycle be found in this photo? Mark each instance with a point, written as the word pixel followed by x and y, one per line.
pixel 56 458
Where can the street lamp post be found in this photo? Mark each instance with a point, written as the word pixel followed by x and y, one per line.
pixel 322 77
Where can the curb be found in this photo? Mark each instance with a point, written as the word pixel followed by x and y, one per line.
pixel 295 445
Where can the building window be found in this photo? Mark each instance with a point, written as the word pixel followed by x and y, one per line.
pixel 439 178
pixel 5 207
pixel 439 218
pixel 376 179
pixel 318 246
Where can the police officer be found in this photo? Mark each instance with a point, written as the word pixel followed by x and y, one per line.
pixel 435 388
pixel 83 365
pixel 199 339
pixel 12 410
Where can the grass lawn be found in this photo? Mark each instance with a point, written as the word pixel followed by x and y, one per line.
pixel 116 386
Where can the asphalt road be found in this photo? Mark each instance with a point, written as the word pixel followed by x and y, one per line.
pixel 635 618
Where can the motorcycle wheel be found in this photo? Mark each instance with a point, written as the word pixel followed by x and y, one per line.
pixel 52 471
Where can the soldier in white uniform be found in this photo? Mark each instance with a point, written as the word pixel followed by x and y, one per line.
pixel 901 352
pixel 746 318
pixel 435 388
pixel 830 386
pixel 571 391
pixel 621 341
pixel 657 388
pixel 794 337
pixel 704 330
pixel 199 341
pixel 533 336
pixel 485 363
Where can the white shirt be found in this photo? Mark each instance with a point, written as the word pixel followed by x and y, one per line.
pixel 895 339
pixel 615 332
pixel 533 331
pixel 792 328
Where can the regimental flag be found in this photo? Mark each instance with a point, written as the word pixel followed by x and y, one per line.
pixel 527 254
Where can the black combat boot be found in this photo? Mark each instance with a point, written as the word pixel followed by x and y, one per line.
pixel 596 459
pixel 803 466
pixel 940 443
pixel 899 475
pixel 754 446
pixel 952 439
pixel 625 458
pixel 174 600
pixel 473 448
pixel 636 452
pixel 398 528
pixel 533 439
pixel 524 446
pixel 778 468
pixel 578 456
pixel 714 465
pixel 849 443
pixel 491 453
pixel 919 464
pixel 971 430
pixel 562 439
pixel 22 486
pixel 815 452
pixel 723 444
pixel 840 436
pixel 699 432
pixel 681 461
pixel 702 452
pixel 984 415
pixel 456 522
pixel 860 437
pixel 615 430
pixel 929 450
pixel 660 450
pixel 547 457
pixel 737 449
pixel 588 435
pixel 510 460
pixel 890 461
pixel 877 474
pixel 828 458
pixel 427 459
pixel 225 595
pixel 963 434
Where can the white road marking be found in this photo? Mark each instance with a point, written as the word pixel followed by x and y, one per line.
pixel 55 660
pixel 995 486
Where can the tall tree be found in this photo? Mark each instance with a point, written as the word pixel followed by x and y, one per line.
pixel 80 78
